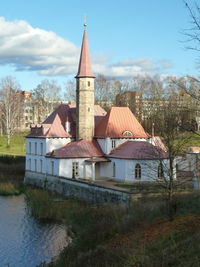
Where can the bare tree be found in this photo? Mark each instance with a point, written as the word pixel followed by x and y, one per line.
pixel 46 97
pixel 193 33
pixel 70 91
pixel 10 106
pixel 169 128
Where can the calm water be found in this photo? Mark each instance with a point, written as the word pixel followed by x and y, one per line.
pixel 24 242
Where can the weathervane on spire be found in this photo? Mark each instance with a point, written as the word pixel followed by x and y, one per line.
pixel 85 22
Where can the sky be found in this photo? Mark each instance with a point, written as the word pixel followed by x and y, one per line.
pixel 41 39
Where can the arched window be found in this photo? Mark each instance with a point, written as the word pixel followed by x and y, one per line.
pixel 127 133
pixel 160 171
pixel 137 171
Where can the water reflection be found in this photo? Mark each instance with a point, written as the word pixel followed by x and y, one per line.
pixel 23 240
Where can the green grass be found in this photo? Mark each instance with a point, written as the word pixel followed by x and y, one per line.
pixel 9 189
pixel 17 145
pixel 114 237
pixel 193 139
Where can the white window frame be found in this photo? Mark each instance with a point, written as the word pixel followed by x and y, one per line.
pixel 29 149
pixel 52 167
pixel 41 149
pixel 41 165
pixel 138 172
pixel 35 164
pixel 35 148
pixel 75 169
pixel 114 169
pixel 113 143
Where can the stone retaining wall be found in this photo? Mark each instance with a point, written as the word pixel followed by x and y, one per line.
pixel 79 189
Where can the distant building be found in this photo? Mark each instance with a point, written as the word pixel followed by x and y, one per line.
pixel 146 107
pixel 33 111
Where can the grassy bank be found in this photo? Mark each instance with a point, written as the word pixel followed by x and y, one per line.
pixel 111 236
pixel 17 144
pixel 11 175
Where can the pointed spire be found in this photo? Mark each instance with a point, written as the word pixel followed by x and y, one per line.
pixel 84 69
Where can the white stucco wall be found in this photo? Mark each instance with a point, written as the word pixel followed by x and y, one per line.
pixel 36 149
pixel 36 163
pixel 35 154
pixel 63 167
pixel 106 143
pixel 52 166
pixel 106 169
pixel 125 169
pixel 55 143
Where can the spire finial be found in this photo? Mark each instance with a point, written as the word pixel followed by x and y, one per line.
pixel 85 22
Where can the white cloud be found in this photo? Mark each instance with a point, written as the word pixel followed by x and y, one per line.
pixel 132 67
pixel 28 48
pixel 34 49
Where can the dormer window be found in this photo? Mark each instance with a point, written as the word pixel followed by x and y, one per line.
pixel 127 133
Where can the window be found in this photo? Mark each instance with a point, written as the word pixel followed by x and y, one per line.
pixel 35 163
pixel 137 171
pixel 29 164
pixel 41 165
pixel 160 171
pixel 29 147
pixel 35 148
pixel 52 167
pixel 113 144
pixel 41 148
pixel 88 83
pixel 127 133
pixel 75 169
pixel 114 169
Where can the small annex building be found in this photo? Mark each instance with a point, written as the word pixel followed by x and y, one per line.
pixel 85 142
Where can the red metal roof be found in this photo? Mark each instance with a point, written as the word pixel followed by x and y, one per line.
pixel 138 150
pixel 54 125
pixel 117 121
pixel 85 69
pixel 78 149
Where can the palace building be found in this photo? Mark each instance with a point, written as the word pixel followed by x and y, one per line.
pixel 84 142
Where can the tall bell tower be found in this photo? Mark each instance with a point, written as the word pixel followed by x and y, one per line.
pixel 84 94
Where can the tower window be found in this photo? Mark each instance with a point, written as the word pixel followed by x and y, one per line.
pixel 137 171
pixel 88 83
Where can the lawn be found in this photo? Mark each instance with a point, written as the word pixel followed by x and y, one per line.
pixel 190 140
pixel 17 144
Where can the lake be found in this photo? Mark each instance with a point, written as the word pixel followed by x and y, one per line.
pixel 25 242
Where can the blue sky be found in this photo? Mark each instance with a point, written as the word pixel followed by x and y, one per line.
pixel 41 39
